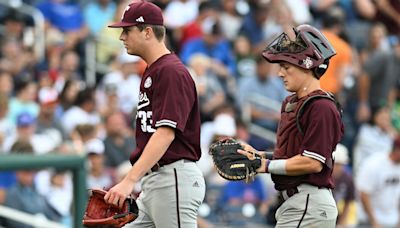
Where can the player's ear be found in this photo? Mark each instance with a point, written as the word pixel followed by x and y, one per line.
pixel 148 32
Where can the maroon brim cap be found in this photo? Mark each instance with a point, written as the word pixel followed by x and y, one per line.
pixel 140 12
pixel 122 24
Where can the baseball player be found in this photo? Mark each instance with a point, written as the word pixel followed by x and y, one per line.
pixel 167 128
pixel 308 132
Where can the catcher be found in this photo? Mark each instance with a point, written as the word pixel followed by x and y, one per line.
pixel 308 132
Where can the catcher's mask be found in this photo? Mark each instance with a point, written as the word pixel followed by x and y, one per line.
pixel 310 50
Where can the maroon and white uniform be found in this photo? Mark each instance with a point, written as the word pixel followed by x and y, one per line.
pixel 173 191
pixel 323 129
pixel 308 198
pixel 168 98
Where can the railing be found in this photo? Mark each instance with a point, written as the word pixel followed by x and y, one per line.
pixel 38 220
pixel 254 128
pixel 69 162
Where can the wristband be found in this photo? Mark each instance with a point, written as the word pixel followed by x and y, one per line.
pixel 267 161
pixel 277 167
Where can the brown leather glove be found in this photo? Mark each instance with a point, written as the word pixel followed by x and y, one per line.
pixel 101 214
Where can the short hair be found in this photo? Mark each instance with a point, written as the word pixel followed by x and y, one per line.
pixel 85 95
pixel 85 129
pixel 159 30
pixel 22 147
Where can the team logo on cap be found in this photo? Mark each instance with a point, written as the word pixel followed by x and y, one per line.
pixel 147 83
pixel 308 62
pixel 126 10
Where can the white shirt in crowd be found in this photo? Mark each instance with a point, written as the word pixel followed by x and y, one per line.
pixel 127 89
pixel 370 140
pixel 75 116
pixel 380 178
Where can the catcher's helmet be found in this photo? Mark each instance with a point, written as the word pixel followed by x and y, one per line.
pixel 310 50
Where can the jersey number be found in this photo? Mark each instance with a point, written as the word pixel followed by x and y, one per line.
pixel 146 121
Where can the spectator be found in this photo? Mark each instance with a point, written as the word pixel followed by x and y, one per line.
pixel 69 69
pixel 126 80
pixel 42 143
pixel 378 183
pixel 207 13
pixel 377 42
pixel 254 22
pixel 23 195
pixel 180 12
pixel 212 44
pixel 119 142
pixel 83 112
pixel 230 19
pixel 67 97
pixel 48 99
pixel 377 81
pixel 344 191
pixel 108 45
pixel 340 67
pixel 107 100
pixel 299 11
pixel 177 14
pixel 210 92
pixel 6 83
pixel 237 196
pixel 16 60
pixel 15 27
pixel 95 24
pixel 64 21
pixel 388 12
pixel 374 137
pixel 98 176
pixel 262 86
pixel 6 127
pixel 243 133
pixel 223 125
pixel 245 60
pixel 56 186
pixel 24 100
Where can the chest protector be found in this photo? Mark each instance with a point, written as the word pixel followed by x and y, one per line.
pixel 290 131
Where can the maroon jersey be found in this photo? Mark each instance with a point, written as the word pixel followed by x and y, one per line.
pixel 322 130
pixel 168 98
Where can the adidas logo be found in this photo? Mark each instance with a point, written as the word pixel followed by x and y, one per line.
pixel 140 19
pixel 195 184
pixel 323 214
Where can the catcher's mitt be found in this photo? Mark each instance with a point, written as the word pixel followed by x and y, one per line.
pixel 230 164
pixel 101 214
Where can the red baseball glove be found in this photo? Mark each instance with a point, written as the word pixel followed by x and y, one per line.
pixel 101 214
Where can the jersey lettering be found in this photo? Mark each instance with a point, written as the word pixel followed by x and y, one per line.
pixel 143 101
pixel 146 121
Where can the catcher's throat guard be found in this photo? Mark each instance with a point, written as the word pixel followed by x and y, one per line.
pixel 101 214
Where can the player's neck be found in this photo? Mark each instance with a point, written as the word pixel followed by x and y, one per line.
pixel 155 52
pixel 308 88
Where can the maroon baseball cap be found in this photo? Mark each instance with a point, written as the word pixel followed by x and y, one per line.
pixel 140 12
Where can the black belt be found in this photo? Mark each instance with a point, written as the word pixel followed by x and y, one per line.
pixel 157 166
pixel 287 193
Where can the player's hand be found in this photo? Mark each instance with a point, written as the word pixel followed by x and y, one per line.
pixel 117 194
pixel 250 152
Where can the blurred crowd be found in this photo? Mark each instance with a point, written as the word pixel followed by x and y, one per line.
pixel 49 105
